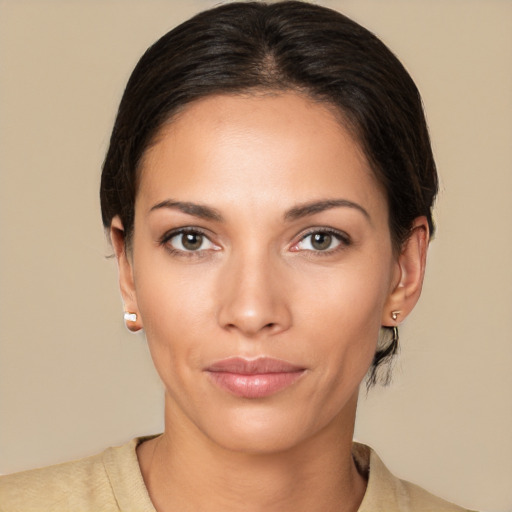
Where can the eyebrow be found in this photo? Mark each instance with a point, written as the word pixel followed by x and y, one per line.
pixel 197 210
pixel 313 207
pixel 297 212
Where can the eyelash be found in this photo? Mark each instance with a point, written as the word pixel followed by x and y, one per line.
pixel 343 239
pixel 167 237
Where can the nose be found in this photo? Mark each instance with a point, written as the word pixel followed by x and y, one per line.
pixel 253 296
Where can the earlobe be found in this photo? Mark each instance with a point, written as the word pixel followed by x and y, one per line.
pixel 126 281
pixel 411 263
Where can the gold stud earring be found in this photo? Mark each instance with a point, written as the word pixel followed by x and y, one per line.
pixel 394 314
pixel 130 317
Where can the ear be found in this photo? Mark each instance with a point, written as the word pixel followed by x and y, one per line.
pixel 126 282
pixel 411 269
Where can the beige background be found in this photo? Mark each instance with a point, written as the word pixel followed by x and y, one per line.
pixel 73 380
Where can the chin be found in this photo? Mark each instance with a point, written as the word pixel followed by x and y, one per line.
pixel 261 429
pixel 266 438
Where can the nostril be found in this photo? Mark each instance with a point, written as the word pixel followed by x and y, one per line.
pixel 271 327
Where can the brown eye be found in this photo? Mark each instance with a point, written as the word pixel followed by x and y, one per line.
pixel 321 241
pixel 191 241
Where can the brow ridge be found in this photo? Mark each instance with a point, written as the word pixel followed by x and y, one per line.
pixel 195 209
pixel 295 213
pixel 304 210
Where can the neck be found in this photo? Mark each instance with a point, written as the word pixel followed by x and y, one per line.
pixel 186 472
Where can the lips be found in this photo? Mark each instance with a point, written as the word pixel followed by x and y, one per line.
pixel 254 378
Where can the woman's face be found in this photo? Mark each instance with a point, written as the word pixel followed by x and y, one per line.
pixel 262 269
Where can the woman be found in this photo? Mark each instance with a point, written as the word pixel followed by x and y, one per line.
pixel 268 192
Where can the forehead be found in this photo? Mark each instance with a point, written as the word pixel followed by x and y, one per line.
pixel 245 147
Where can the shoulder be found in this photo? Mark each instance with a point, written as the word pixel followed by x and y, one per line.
pixel 56 487
pixel 387 493
pixel 95 483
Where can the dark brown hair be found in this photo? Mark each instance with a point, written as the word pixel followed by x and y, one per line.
pixel 243 47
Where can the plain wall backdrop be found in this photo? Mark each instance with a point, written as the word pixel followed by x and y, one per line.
pixel 74 381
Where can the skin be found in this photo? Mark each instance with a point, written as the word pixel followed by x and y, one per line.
pixel 257 286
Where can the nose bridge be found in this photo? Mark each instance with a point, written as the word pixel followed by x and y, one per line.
pixel 252 298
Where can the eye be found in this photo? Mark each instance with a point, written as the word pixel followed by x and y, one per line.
pixel 189 241
pixel 321 241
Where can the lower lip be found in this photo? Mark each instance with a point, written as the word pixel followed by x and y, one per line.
pixel 258 385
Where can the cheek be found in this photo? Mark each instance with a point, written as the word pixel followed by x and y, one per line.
pixel 166 291
pixel 347 300
pixel 343 316
pixel 176 311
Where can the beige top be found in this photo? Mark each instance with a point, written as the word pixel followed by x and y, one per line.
pixel 112 482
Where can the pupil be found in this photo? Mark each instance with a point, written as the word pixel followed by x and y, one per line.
pixel 321 241
pixel 192 241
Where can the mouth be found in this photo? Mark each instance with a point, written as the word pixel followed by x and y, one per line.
pixel 254 378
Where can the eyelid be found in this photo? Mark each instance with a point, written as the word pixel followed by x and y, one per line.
pixel 341 236
pixel 169 235
pixel 183 229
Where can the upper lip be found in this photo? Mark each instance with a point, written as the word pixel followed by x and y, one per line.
pixel 240 365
